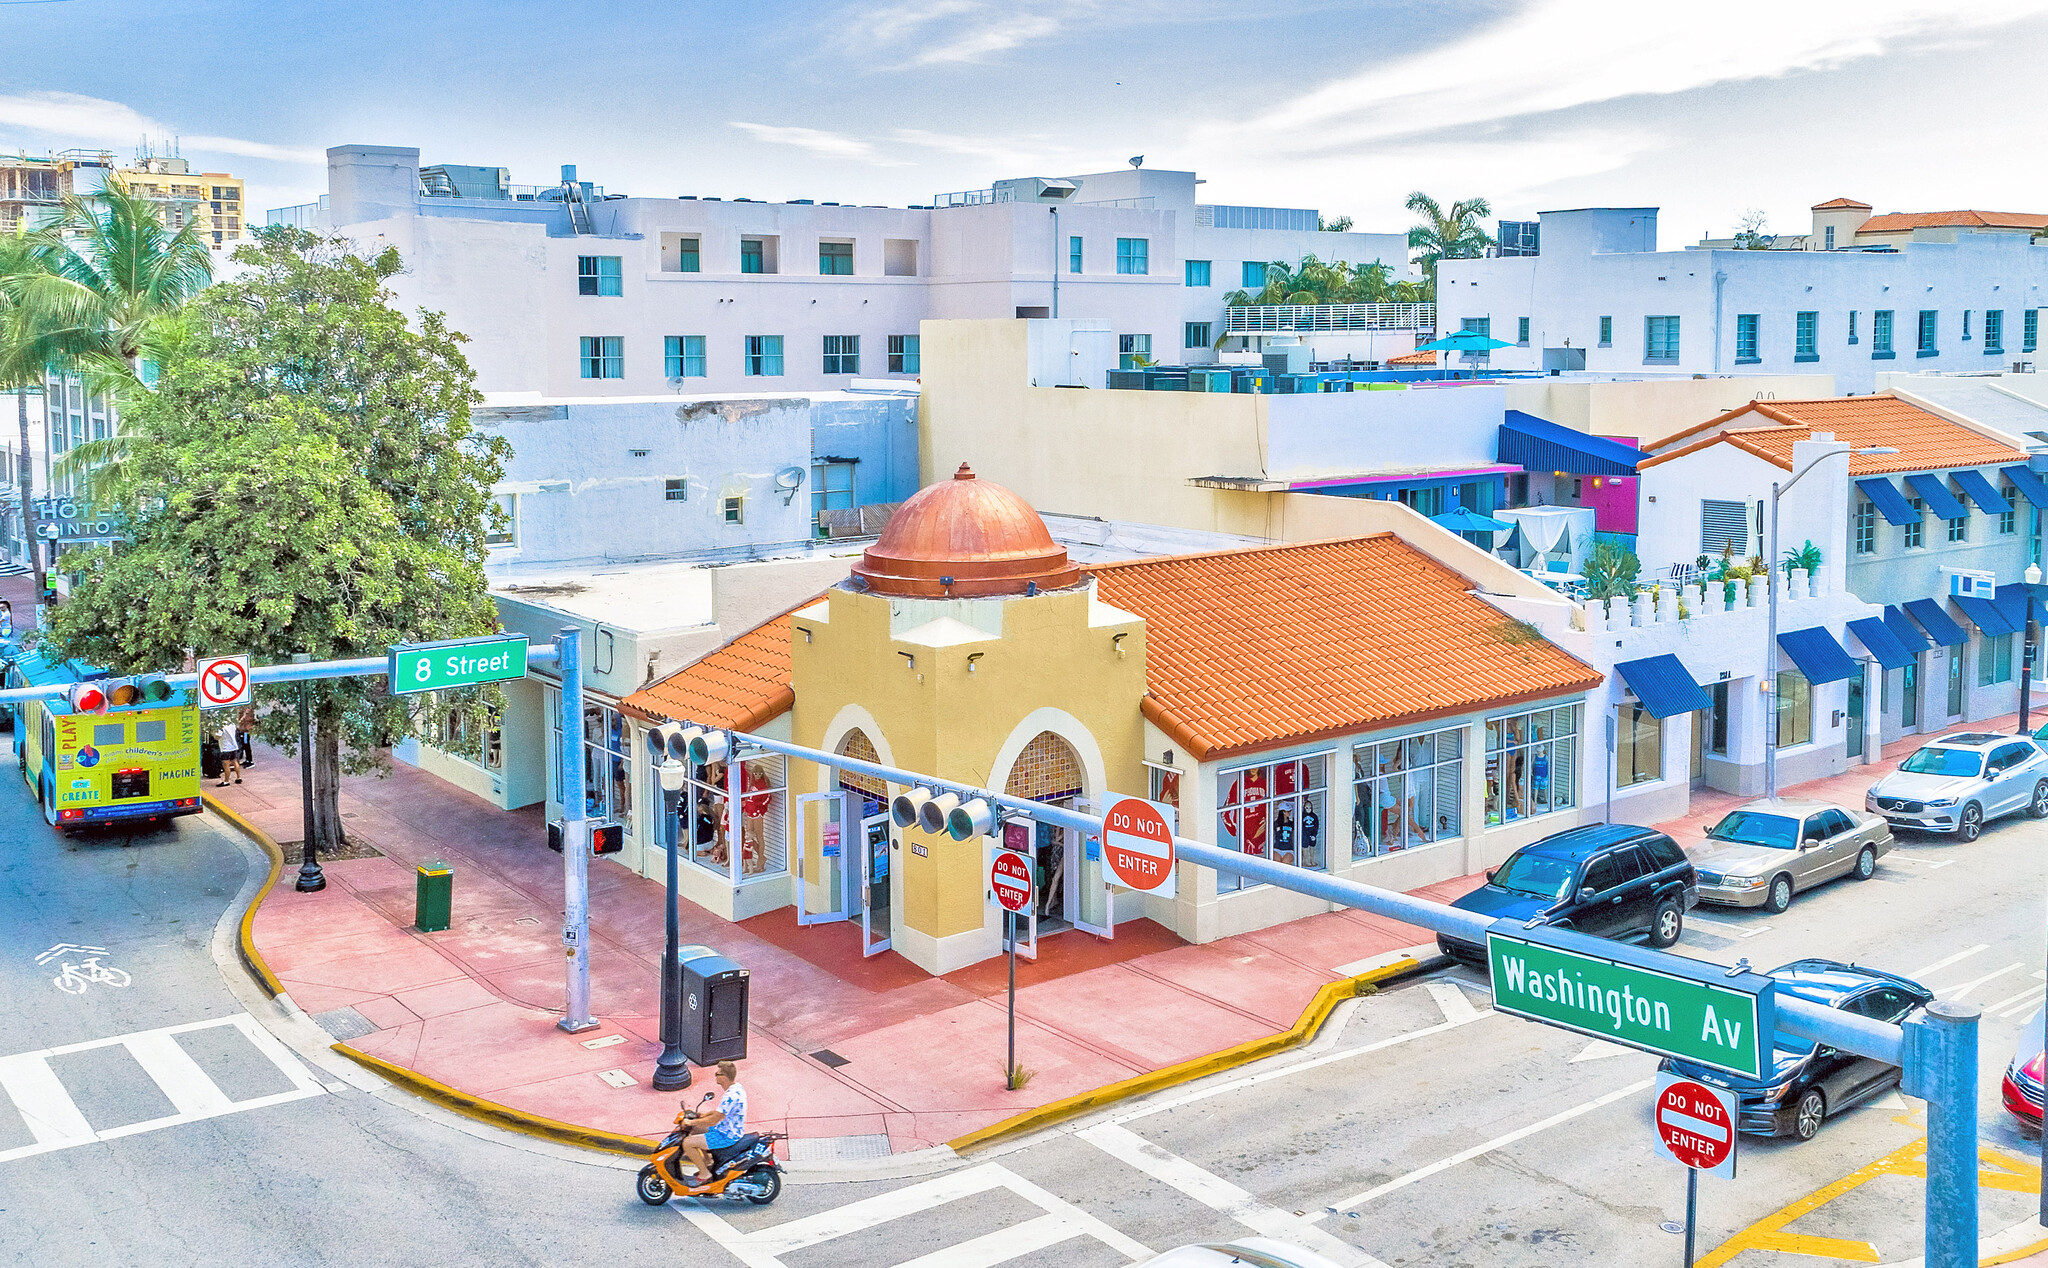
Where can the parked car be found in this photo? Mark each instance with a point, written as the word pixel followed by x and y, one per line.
pixel 1808 1082
pixel 1612 880
pixel 1960 782
pixel 1761 854
pixel 2021 1090
pixel 1251 1252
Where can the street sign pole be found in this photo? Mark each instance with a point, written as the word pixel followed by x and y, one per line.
pixel 1009 879
pixel 1692 1209
pixel 575 837
pixel 1010 927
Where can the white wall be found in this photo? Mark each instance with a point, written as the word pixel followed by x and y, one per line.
pixel 1343 433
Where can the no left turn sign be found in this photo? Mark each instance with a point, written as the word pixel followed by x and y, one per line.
pixel 223 681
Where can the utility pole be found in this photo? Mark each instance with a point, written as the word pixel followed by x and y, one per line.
pixel 575 837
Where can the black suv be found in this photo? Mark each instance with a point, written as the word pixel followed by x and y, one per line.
pixel 1610 880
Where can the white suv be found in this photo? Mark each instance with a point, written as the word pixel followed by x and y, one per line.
pixel 1959 782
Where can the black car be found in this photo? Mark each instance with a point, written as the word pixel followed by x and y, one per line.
pixel 1808 1082
pixel 1611 880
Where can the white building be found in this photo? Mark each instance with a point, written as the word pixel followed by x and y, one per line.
pixel 568 291
pixel 1601 296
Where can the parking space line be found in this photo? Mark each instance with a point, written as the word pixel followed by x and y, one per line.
pixel 1941 964
pixel 1220 1195
pixel 1498 1142
pixel 2014 1005
pixel 1738 931
pixel 1958 991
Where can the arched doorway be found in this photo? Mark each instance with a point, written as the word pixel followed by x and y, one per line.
pixel 1068 869
pixel 853 847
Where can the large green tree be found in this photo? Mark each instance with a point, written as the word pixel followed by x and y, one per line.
pixel 302 477
pixel 1446 235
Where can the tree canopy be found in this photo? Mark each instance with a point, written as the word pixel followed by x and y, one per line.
pixel 303 477
pixel 1446 235
pixel 1313 281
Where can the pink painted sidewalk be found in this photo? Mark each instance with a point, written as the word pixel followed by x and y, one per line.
pixel 841 1045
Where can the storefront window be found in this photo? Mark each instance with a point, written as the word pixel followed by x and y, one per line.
pixel 764 830
pixel 1406 792
pixel 759 792
pixel 607 765
pixel 1164 785
pixel 707 818
pixel 1638 747
pixel 467 733
pixel 1273 810
pixel 1795 709
pixel 1531 764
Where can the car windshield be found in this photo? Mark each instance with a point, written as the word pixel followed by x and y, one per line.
pixel 1747 827
pixel 1540 875
pixel 1943 761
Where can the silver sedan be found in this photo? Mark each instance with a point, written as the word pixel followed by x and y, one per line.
pixel 1764 852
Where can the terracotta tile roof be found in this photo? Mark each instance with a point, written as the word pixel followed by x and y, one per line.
pixel 1902 221
pixel 742 685
pixel 1840 204
pixel 1251 649
pixel 1413 358
pixel 1925 441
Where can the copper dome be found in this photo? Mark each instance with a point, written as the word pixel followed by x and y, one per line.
pixel 965 538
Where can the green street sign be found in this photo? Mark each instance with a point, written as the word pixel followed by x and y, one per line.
pixel 1652 1000
pixel 462 662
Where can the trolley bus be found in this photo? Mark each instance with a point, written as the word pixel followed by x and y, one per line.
pixel 135 757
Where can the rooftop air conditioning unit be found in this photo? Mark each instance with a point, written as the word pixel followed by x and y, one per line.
pixel 1035 189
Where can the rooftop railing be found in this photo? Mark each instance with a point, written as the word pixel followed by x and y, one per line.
pixel 1285 318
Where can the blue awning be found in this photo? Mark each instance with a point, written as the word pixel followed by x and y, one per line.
pixel 1987 616
pixel 1934 491
pixel 1940 626
pixel 1818 655
pixel 1536 444
pixel 1905 631
pixel 1880 642
pixel 2012 601
pixel 1891 503
pixel 1664 686
pixel 1980 491
pixel 2028 484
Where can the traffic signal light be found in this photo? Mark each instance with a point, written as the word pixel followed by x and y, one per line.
pixel 555 835
pixel 607 838
pixel 87 697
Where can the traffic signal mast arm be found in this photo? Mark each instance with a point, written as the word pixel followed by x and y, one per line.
pixel 311 671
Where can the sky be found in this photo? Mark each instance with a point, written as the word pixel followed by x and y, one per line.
pixel 1708 111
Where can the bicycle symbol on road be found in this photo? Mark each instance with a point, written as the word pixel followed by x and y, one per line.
pixel 73 979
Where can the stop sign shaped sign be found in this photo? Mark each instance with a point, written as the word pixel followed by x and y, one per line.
pixel 1137 846
pixel 1696 1122
pixel 1009 875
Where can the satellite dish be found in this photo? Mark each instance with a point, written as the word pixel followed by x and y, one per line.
pixel 789 480
pixel 1137 160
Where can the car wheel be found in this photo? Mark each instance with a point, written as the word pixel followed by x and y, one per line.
pixel 1807 1116
pixel 1972 825
pixel 2039 806
pixel 1866 863
pixel 1781 895
pixel 1666 924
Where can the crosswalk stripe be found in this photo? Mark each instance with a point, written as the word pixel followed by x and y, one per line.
pixel 1004 1244
pixel 52 1117
pixel 190 1091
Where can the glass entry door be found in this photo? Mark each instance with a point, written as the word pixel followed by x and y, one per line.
pixel 1856 713
pixel 1909 702
pixel 824 862
pixel 874 884
pixel 1088 894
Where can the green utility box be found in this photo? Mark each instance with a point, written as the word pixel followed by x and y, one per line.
pixel 433 896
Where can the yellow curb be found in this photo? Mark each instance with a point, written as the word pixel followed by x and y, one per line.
pixel 1304 1029
pixel 502 1115
pixel 252 959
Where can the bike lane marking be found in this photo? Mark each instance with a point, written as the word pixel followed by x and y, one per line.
pixel 1220 1195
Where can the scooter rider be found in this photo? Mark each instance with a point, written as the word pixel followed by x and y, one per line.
pixel 718 1127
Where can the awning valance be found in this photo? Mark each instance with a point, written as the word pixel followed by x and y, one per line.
pixel 1665 686
pixel 1880 642
pixel 1536 444
pixel 1890 503
pixel 1818 655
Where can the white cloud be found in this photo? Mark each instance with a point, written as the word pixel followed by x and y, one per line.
pixel 952 31
pixel 1558 54
pixel 819 142
pixel 93 119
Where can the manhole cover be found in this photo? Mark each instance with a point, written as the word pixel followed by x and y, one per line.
pixel 1672 1226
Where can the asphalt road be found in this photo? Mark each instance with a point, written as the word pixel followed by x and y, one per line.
pixel 1421 1129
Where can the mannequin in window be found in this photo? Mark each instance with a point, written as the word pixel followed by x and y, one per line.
pixel 1311 836
pixel 1283 835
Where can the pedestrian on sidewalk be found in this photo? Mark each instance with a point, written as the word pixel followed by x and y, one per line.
pixel 245 730
pixel 719 1128
pixel 230 740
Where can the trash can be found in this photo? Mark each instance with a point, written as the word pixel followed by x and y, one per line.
pixel 714 1006
pixel 433 896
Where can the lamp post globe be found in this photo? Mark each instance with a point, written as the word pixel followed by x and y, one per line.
pixel 672 1071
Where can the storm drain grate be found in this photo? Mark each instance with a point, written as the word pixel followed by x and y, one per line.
pixel 344 1024
pixel 825 1056
pixel 839 1148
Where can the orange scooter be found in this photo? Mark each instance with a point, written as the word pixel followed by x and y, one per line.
pixel 747 1168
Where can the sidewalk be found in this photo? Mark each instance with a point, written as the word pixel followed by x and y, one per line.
pixel 852 1057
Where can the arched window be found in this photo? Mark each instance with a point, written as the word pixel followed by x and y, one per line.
pixel 873 792
pixel 1047 770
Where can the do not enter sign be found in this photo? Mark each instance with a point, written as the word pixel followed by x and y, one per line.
pixel 1137 845
pixel 1696 1122
pixel 1009 875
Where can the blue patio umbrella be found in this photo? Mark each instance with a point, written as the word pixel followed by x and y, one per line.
pixel 1466 520
pixel 1464 341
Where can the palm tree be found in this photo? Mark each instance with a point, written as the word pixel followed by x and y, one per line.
pixel 92 289
pixel 1452 235
pixel 25 355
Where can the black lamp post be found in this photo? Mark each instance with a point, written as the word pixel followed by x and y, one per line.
pixel 2031 636
pixel 311 880
pixel 672 1071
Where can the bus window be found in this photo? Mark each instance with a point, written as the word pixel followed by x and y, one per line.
pixel 106 733
pixel 150 731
